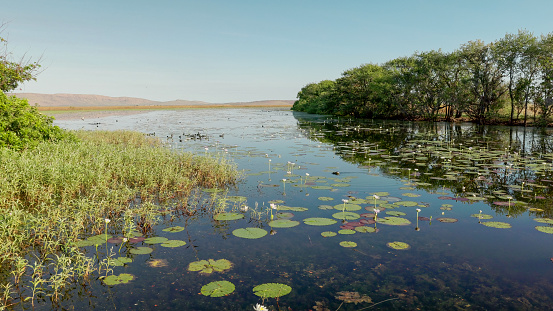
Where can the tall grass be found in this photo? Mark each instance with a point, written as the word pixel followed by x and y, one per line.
pixel 58 193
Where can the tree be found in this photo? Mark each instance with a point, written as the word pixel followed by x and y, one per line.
pixel 12 72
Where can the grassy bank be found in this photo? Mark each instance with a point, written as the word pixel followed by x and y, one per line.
pixel 60 193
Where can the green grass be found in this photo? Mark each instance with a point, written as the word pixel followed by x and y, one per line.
pixel 58 193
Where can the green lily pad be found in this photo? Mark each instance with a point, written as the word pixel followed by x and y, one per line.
pixel 447 219
pixel 395 213
pixel 340 185
pixel 120 261
pixel 210 265
pixel 544 220
pixel 328 234
pixel 173 243
pixel 290 208
pixel 319 221
pixel 284 215
pixel 544 229
pixel 321 187
pixel 406 203
pixel 118 279
pixel 156 240
pixel 482 216
pixel 272 290
pixel 228 216
pixel 380 194
pixel 365 229
pixel 326 198
pixel 346 231
pixel 348 244
pixel 218 289
pixel 83 243
pixel 346 215
pixel 347 207
pixel 276 201
pixel 393 221
pixel 141 250
pixel 250 233
pixel 283 223
pixel 174 229
pixel 236 198
pixel 497 224
pixel 398 245
pixel 326 207
pixel 411 195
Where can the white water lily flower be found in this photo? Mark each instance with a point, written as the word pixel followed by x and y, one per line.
pixel 107 220
pixel 376 210
pixel 376 197
pixel 345 201
pixel 418 210
pixel 259 307
pixel 273 206
pixel 306 174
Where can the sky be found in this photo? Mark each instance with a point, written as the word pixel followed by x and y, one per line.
pixel 239 50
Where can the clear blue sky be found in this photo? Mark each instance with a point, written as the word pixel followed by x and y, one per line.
pixel 225 50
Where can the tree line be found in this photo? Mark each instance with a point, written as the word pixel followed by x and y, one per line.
pixel 510 79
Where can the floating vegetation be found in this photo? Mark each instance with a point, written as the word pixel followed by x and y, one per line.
pixel 228 216
pixel 292 208
pixel 352 297
pixel 157 263
pixel 218 289
pixel 346 215
pixel 141 250
pixel 395 213
pixel 497 224
pixel 271 290
pixel 118 279
pixel 156 240
pixel 174 229
pixel 326 207
pixel 393 221
pixel 346 231
pixel 283 223
pixel 447 219
pixel 544 220
pixel 173 243
pixel 347 207
pixel 236 198
pixel 365 229
pixel 250 233
pixel 328 234
pixel 210 265
pixel 482 216
pixel 319 221
pixel 398 245
pixel 348 244
pixel 120 261
pixel 326 198
pixel 544 229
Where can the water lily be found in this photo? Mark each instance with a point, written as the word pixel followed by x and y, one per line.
pixel 273 206
pixel 107 220
pixel 244 208
pixel 259 307
pixel 376 211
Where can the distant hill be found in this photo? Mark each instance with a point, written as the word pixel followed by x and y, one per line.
pixel 81 100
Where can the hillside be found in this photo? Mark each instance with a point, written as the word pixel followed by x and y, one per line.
pixel 66 101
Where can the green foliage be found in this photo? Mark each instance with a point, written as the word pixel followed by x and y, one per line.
pixel 23 127
pixel 476 81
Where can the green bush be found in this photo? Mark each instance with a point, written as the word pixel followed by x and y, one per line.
pixel 23 126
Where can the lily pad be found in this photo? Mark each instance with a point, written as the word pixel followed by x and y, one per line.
pixel 346 215
pixel 290 208
pixel 174 229
pixel 118 279
pixel 544 229
pixel 326 207
pixel 544 220
pixel 156 240
pixel 482 216
pixel 347 207
pixel 236 198
pixel 328 234
pixel 326 198
pixel 398 245
pixel 120 261
pixel 319 221
pixel 141 250
pixel 173 243
pixel 348 244
pixel 365 229
pixel 283 223
pixel 228 216
pixel 250 233
pixel 272 290
pixel 447 219
pixel 497 224
pixel 395 213
pixel 346 231
pixel 218 289
pixel 210 265
pixel 393 221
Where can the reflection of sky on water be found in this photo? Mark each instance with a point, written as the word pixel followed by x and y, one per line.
pixel 448 264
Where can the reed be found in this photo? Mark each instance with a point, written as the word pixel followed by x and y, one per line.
pixel 58 193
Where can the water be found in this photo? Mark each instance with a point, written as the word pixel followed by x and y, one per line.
pixel 462 265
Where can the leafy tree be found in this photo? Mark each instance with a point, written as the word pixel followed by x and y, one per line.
pixel 13 73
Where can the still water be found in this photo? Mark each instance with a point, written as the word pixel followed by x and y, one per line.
pixel 473 206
